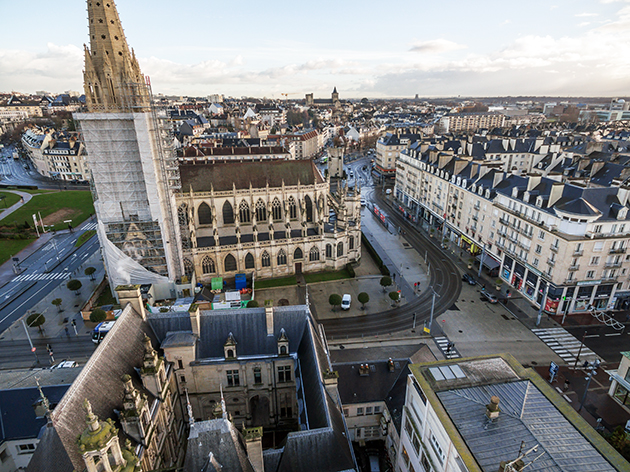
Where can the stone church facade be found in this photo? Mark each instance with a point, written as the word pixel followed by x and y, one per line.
pixel 268 218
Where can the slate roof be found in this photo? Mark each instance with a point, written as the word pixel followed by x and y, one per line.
pixel 221 176
pixel 17 415
pixel 226 443
pixel 525 415
pixel 354 388
pixel 120 352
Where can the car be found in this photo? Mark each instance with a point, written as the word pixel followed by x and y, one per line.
pixel 388 191
pixel 345 301
pixel 363 202
pixel 66 365
pixel 352 174
pixel 469 278
pixel 489 297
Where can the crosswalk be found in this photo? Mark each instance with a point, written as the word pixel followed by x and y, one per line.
pixel 443 343
pixel 565 345
pixel 39 276
pixel 89 226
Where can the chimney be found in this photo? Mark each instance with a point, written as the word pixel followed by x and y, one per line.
pixel 364 370
pixel 131 294
pixel 533 182
pixel 331 378
pixel 193 311
pixel 390 365
pixel 269 317
pixel 492 408
pixel 556 192
pixel 253 442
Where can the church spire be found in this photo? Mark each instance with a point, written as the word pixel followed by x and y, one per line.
pixel 113 81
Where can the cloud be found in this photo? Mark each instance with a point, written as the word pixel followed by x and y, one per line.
pixel 585 15
pixel 436 46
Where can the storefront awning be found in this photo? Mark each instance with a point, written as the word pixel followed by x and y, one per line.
pixel 488 261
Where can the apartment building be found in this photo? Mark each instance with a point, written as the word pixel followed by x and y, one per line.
pixel 456 122
pixel 387 149
pixel 562 245
pixel 57 155
pixel 480 414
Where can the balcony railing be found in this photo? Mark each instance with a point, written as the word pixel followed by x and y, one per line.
pixel 504 221
pixel 554 248
pixel 609 278
pixel 574 267
pixel 551 262
pixel 577 253
pixel 612 264
pixel 617 250
pixel 570 281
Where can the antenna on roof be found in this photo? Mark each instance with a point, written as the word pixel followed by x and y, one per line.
pixel 518 464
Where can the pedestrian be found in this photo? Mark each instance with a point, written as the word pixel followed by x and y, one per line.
pixel 66 329
pixel 566 385
pixel 448 347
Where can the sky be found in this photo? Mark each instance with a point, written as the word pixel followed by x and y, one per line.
pixel 397 48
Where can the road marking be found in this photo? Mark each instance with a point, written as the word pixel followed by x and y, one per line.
pixel 43 288
pixel 613 334
pixel 564 344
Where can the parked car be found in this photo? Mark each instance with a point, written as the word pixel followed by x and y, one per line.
pixel 388 191
pixel 345 301
pixel 66 365
pixel 489 297
pixel 469 278
pixel 363 202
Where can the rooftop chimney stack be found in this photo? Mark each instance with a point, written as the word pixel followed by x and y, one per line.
pixel 492 409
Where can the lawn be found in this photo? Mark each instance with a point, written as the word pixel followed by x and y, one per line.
pixel 8 200
pixel 75 205
pixel 10 247
pixel 327 276
pixel 270 283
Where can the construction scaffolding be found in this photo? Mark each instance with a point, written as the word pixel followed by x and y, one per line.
pixel 134 179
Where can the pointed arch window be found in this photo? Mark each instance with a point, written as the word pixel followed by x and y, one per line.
pixel 230 263
pixel 207 265
pixel 228 213
pixel 308 203
pixel 265 259
pixel 282 257
pixel 329 251
pixel 261 210
pixel 298 254
pixel 313 255
pixel 243 212
pixel 276 210
pixel 249 261
pixel 188 267
pixel 292 208
pixel 204 213
pixel 340 249
pixel 182 214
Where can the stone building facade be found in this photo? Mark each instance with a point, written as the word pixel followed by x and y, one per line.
pixel 269 218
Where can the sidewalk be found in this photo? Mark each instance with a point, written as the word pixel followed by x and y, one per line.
pixel 25 195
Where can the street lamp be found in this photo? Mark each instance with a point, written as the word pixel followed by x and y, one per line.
pixel 592 371
pixel 432 307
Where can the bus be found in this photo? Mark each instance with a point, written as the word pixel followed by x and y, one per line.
pixel 101 330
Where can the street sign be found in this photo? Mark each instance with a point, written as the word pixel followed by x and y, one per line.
pixel 33 349
pixel 427 330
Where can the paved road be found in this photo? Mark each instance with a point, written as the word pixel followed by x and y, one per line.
pixel 444 278
pixel 47 268
pixel 603 340
pixel 17 354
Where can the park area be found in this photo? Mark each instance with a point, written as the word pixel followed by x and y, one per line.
pixel 17 230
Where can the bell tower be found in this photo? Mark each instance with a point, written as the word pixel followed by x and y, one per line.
pixel 134 168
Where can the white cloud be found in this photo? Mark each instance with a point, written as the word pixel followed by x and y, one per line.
pixel 436 46
pixel 585 15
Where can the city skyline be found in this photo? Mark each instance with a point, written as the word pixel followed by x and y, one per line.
pixel 481 49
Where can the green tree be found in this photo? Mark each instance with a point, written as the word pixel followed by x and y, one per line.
pixel 89 271
pixel 35 320
pixel 334 300
pixel 363 299
pixel 74 285
pixel 385 282
pixel 395 296
pixel 98 315
pixel 57 302
pixel 252 304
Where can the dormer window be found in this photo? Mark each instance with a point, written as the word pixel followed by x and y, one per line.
pixel 283 343
pixel 474 188
pixel 514 192
pixel 539 202
pixel 229 348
